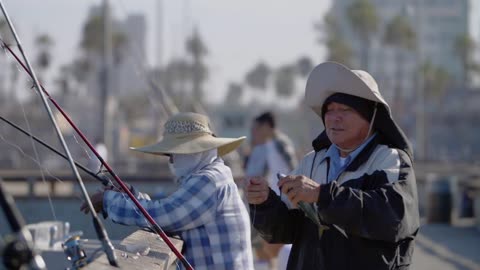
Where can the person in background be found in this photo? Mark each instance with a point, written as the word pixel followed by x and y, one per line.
pixel 354 197
pixel 272 153
pixel 206 210
pixel 93 163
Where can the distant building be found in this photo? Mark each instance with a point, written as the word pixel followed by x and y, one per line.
pixel 455 127
pixel 129 63
pixel 131 74
pixel 127 75
pixel 437 24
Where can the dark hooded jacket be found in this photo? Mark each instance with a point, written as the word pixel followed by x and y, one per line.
pixel 371 208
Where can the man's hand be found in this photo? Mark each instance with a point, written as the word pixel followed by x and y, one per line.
pixel 97 201
pixel 257 190
pixel 299 188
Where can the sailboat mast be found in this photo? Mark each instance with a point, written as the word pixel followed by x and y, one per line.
pixel 106 103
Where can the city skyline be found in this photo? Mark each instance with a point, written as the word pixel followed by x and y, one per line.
pixel 238 35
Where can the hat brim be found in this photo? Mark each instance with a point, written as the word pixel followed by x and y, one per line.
pixel 191 145
pixel 331 77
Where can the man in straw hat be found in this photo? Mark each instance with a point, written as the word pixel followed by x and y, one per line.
pixel 206 210
pixel 356 192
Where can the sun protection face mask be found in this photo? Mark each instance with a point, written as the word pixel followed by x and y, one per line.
pixel 186 164
pixel 171 168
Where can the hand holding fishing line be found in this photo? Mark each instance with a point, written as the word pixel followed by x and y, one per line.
pixel 97 198
pixel 97 202
pixel 302 193
pixel 299 188
pixel 257 190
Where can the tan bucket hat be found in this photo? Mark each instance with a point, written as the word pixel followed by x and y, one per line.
pixel 189 133
pixel 330 77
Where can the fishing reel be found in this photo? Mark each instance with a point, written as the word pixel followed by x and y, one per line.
pixel 18 253
pixel 74 251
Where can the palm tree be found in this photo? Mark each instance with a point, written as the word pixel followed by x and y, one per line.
pixel 197 49
pixel 93 36
pixel 465 48
pixel 363 19
pixel 337 49
pixel 80 69
pixel 174 77
pixel 436 81
pixel 285 81
pixel 257 77
pixel 92 42
pixel 5 32
pixel 400 35
pixel 63 81
pixel 304 65
pixel 234 93
pixel 44 57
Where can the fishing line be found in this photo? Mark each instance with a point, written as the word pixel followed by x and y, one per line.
pixel 89 157
pixel 101 233
pixel 42 91
pixel 37 157
pixel 47 171
pixel 21 151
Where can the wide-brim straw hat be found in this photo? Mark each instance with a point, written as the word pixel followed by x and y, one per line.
pixel 331 77
pixel 190 133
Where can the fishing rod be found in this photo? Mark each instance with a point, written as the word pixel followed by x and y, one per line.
pixel 144 212
pixel 18 252
pixel 105 181
pixel 99 228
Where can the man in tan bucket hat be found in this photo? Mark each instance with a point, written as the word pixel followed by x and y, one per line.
pixel 206 210
pixel 356 191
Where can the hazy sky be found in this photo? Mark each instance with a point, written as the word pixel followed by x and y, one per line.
pixel 237 33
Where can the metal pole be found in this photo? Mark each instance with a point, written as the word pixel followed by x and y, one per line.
pixel 159 34
pixel 420 123
pixel 105 87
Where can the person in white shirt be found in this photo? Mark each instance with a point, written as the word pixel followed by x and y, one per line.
pixel 93 163
pixel 272 153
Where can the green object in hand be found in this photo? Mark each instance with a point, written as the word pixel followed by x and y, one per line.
pixel 309 212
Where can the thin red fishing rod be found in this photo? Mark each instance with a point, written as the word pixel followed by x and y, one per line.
pixel 155 226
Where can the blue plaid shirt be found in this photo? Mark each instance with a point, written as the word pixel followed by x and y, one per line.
pixel 206 211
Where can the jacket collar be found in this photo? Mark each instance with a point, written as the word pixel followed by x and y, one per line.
pixel 364 154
